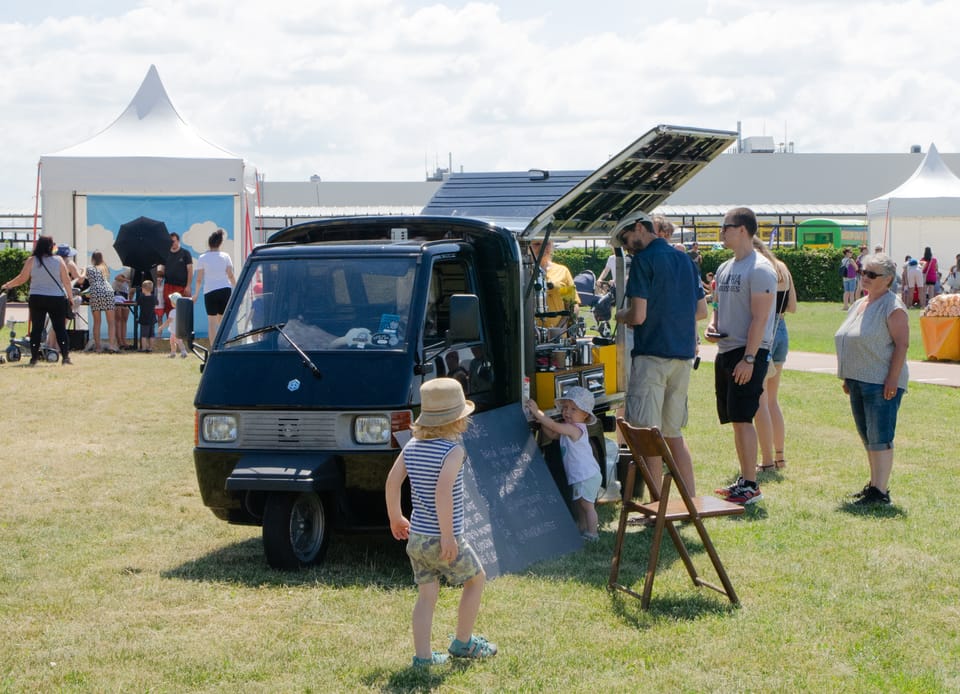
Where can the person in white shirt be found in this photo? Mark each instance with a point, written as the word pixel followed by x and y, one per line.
pixel 215 275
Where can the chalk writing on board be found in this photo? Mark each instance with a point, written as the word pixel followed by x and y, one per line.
pixel 514 514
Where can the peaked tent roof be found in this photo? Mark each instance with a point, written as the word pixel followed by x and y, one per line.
pixel 149 127
pixel 932 179
pixel 148 150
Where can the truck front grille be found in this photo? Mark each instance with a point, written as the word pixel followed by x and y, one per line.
pixel 287 430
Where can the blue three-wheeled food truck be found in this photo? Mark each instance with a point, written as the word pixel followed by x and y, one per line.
pixel 312 380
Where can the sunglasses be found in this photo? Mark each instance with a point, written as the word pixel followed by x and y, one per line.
pixel 872 275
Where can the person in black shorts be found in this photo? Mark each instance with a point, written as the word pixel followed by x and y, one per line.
pixel 742 327
pixel 215 275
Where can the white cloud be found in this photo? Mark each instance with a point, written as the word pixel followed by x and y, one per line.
pixel 370 89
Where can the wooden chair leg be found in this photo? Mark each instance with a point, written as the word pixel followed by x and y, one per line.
pixel 717 564
pixel 622 526
pixel 684 554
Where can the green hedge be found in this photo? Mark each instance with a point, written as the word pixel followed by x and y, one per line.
pixel 11 262
pixel 815 272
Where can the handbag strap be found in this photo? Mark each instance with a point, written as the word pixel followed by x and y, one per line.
pixel 53 278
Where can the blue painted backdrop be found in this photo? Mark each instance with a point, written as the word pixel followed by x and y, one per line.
pixel 194 217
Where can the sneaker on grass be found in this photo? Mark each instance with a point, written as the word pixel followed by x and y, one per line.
pixel 724 492
pixel 436 658
pixel 745 493
pixel 871 496
pixel 477 647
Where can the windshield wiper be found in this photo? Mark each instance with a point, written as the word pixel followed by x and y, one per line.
pixel 258 331
pixel 278 327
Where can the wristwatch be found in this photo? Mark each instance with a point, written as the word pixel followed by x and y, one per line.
pixel 749 358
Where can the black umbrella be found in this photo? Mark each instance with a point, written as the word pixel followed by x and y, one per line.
pixel 142 243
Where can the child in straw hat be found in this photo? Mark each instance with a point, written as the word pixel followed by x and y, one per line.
pixel 583 471
pixel 433 461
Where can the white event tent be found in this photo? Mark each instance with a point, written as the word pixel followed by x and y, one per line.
pixel 923 211
pixel 149 162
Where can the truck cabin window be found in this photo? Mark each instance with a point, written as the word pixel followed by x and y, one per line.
pixel 322 304
pixel 468 363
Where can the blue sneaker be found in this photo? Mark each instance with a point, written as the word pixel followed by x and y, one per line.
pixel 477 647
pixel 436 658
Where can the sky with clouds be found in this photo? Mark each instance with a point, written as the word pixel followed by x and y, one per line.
pixel 368 90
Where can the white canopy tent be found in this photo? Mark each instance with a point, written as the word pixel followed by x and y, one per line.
pixel 923 211
pixel 148 162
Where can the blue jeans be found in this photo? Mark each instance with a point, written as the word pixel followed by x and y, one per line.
pixel 874 415
pixel 781 343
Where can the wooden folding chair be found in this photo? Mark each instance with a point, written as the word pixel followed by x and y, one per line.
pixel 649 442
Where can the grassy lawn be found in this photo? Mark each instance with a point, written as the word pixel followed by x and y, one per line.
pixel 813 325
pixel 114 577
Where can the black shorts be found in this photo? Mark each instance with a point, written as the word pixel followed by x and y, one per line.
pixel 216 301
pixel 738 403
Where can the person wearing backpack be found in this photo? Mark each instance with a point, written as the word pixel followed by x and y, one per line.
pixel 849 269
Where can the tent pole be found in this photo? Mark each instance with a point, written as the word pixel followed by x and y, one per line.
pixel 886 229
pixel 36 206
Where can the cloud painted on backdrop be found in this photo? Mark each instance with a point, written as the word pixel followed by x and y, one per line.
pixel 197 235
pixel 99 238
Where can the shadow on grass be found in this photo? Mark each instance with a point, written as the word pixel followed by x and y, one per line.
pixel 693 605
pixel 751 512
pixel 591 567
pixel 414 679
pixel 352 560
pixel 874 510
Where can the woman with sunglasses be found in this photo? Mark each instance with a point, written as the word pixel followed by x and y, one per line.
pixel 872 361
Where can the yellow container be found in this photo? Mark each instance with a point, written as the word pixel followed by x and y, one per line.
pixel 607 355
pixel 941 337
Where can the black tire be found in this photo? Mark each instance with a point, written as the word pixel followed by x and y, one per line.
pixel 296 531
pixel 13 353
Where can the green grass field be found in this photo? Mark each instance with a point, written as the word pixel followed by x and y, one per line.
pixel 114 577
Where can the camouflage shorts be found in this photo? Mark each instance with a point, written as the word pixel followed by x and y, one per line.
pixel 424 553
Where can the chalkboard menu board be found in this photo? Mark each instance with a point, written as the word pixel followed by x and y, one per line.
pixel 513 512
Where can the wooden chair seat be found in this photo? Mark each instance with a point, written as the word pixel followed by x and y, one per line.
pixel 649 443
pixel 706 507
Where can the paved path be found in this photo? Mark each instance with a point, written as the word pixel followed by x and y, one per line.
pixel 941 373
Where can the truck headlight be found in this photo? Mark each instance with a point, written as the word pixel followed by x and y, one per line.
pixel 373 428
pixel 220 428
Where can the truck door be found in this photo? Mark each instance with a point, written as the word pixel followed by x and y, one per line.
pixel 468 362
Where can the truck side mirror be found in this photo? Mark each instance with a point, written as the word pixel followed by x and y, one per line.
pixel 464 318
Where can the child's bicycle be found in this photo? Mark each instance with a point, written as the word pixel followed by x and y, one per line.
pixel 16 348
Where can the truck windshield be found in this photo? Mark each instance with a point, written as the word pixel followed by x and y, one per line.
pixel 321 304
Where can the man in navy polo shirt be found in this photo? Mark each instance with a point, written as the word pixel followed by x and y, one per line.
pixel 666 301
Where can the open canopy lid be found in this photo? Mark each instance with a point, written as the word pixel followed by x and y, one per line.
pixel 639 178
pixel 581 203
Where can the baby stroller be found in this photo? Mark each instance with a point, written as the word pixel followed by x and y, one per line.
pixel 600 305
pixel 16 348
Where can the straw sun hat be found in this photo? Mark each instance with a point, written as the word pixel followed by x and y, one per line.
pixel 442 402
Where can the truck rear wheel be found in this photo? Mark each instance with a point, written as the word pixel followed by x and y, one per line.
pixel 295 530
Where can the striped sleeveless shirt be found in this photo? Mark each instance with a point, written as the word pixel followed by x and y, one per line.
pixel 424 459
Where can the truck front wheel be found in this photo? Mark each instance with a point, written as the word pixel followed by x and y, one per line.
pixel 295 530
